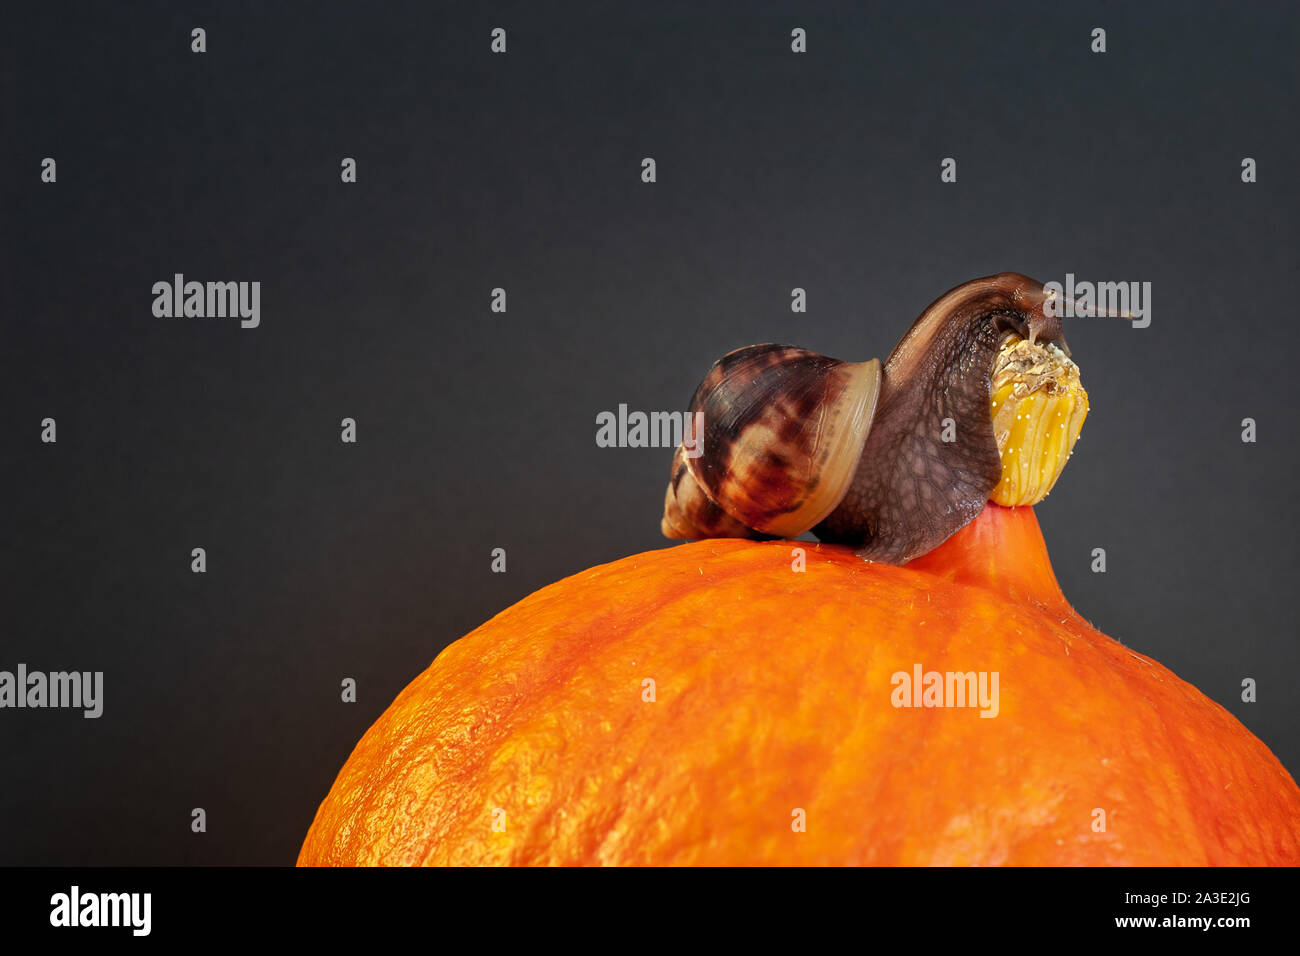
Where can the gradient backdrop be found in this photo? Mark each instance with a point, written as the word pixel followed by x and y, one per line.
pixel 477 430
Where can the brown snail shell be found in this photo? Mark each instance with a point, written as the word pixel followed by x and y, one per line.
pixel 783 429
pixel 794 441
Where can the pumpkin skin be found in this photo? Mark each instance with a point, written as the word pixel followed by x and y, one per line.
pixel 773 693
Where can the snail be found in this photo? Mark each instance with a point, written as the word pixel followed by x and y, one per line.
pixel 979 399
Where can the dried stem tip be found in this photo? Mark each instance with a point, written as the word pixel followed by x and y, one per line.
pixel 1038 406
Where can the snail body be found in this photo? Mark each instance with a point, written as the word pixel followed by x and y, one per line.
pixel 891 458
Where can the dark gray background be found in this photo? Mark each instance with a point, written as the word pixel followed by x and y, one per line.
pixel 477 430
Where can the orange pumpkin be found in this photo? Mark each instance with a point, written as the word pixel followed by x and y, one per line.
pixel 771 735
